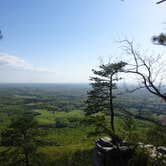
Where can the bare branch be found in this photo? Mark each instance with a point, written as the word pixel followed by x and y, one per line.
pixel 160 1
pixel 143 67
pixel 141 117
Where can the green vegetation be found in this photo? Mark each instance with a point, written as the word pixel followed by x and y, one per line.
pixel 64 134
pixel 21 139
pixel 100 97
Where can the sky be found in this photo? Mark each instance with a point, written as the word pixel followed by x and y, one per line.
pixel 60 41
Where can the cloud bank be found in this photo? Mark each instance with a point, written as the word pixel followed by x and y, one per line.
pixel 14 69
pixel 11 62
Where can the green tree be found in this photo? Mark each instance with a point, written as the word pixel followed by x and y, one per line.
pixel 157 135
pixel 21 140
pixel 128 125
pixel 160 39
pixel 100 97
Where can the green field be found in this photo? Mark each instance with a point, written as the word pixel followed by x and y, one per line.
pixel 59 111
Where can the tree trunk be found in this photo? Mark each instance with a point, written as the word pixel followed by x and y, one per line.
pixel 111 106
pixel 26 159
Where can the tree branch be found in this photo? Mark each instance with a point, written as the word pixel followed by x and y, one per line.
pixel 160 1
pixel 141 117
pixel 145 72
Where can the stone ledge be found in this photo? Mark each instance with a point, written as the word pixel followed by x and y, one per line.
pixel 107 154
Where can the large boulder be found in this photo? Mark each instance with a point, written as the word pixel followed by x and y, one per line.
pixel 107 154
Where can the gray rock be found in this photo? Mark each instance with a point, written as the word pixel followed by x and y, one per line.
pixel 161 149
pixel 107 154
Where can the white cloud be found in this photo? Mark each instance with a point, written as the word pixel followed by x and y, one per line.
pixel 11 62
pixel 14 69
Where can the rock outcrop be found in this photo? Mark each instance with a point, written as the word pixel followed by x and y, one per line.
pixel 107 154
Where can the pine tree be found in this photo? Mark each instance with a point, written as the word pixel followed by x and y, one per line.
pixel 21 139
pixel 100 97
pixel 160 39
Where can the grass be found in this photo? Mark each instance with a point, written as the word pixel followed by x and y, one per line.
pixel 57 152
pixel 75 155
pixel 48 117
pixel 45 117
pixel 4 121
pixel 70 145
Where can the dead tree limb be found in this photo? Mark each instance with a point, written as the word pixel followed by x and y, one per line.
pixel 144 68
pixel 141 117
pixel 160 1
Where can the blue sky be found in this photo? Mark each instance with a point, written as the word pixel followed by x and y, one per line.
pixel 62 40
